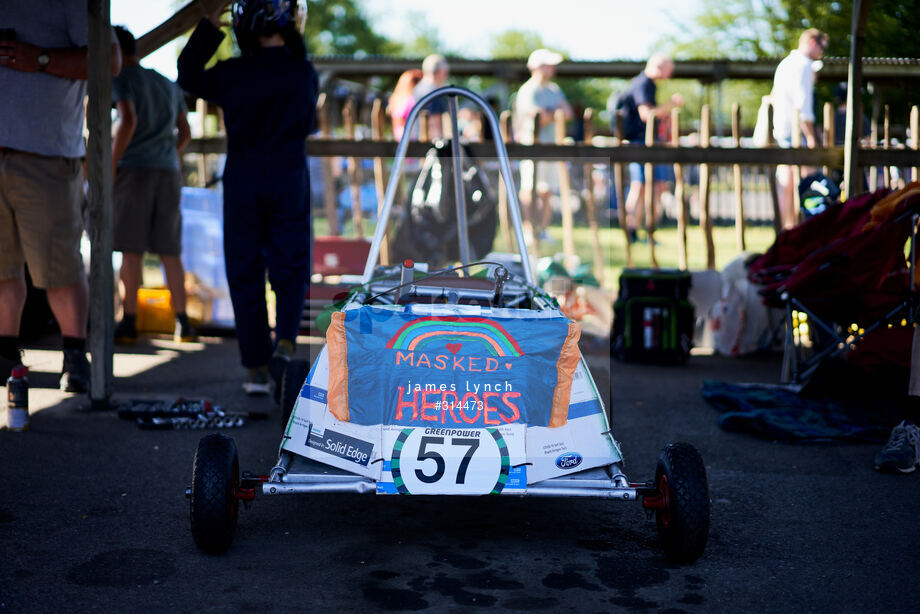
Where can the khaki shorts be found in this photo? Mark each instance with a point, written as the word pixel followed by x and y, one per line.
pixel 547 176
pixel 146 215
pixel 41 222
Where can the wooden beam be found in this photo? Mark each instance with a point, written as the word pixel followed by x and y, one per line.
pixel 181 22
pixel 99 174
pixel 851 170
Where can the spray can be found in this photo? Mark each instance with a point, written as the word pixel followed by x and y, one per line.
pixel 17 409
pixel 647 331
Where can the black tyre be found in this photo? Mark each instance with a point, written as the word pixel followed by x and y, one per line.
pixel 295 372
pixel 683 516
pixel 213 504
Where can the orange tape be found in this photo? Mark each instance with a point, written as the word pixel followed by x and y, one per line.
pixel 565 371
pixel 337 349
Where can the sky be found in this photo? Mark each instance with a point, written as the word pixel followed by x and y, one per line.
pixel 583 29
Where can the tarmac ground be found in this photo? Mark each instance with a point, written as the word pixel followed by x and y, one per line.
pixel 94 516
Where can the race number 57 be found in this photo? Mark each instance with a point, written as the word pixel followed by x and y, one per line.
pixel 424 454
pixel 465 461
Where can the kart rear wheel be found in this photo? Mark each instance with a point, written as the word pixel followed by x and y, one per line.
pixel 295 372
pixel 682 510
pixel 213 506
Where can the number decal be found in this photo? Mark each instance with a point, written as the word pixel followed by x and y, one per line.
pixel 472 444
pixel 424 454
pixel 476 459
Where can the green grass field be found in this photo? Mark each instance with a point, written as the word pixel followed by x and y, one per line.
pixel 613 245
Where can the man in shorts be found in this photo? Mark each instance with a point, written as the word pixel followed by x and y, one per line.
pixel 536 102
pixel 43 71
pixel 152 130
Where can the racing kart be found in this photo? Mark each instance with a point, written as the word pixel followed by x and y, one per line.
pixel 463 379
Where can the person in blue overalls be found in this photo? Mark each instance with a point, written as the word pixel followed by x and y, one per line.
pixel 268 96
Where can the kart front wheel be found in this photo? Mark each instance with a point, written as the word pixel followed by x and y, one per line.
pixel 213 504
pixel 681 505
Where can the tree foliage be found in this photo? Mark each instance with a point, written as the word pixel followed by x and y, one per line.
pixel 341 27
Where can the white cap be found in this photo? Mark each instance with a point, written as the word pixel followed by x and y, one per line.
pixel 543 57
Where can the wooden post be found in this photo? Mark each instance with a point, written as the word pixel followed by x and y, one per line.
pixel 683 215
pixel 873 143
pixel 590 207
pixel 828 133
pixel 649 192
pixel 423 118
pixel 886 131
pixel 330 199
pixel 771 177
pixel 565 195
pixel 533 218
pixel 619 187
pixel 504 125
pixel 354 173
pixel 736 176
pixel 854 100
pixel 705 218
pixel 796 169
pixel 201 107
pixel 378 119
pixel 99 174
pixel 915 138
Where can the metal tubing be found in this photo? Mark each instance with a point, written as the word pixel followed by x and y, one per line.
pixel 552 490
pixel 459 192
pixel 361 487
pixel 513 204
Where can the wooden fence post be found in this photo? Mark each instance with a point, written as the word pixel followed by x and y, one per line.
pixel 565 194
pixel 796 169
pixel 378 119
pixel 915 139
pixel 354 173
pixel 736 172
pixel 504 125
pixel 619 187
pixel 828 132
pixel 330 203
pixel 201 107
pixel 886 131
pixel 771 177
pixel 683 214
pixel 649 192
pixel 705 217
pixel 873 144
pixel 423 118
pixel 590 208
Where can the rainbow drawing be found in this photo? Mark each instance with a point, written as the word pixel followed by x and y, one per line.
pixel 418 333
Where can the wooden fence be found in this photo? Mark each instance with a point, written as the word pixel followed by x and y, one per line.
pixel 744 176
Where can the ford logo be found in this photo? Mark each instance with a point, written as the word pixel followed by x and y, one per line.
pixel 569 460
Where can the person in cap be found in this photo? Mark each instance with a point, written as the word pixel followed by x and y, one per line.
pixel 535 105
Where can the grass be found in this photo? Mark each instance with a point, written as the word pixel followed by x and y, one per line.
pixel 613 245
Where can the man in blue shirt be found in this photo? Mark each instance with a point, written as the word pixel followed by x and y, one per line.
pixel 638 106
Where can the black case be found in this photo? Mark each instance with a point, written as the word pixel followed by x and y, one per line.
pixel 652 318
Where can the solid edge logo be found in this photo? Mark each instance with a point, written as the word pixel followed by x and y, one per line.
pixel 569 460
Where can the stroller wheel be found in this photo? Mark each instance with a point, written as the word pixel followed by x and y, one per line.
pixel 213 506
pixel 682 504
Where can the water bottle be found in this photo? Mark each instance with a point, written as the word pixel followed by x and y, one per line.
pixel 17 409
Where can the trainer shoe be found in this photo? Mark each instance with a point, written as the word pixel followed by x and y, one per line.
pixel 75 374
pixel 258 382
pixel 185 332
pixel 902 450
pixel 126 332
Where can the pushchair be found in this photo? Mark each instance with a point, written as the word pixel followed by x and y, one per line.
pixel 841 275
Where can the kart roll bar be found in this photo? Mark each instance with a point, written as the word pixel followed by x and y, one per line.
pixel 452 92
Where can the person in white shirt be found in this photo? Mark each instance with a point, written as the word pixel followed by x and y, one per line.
pixel 793 90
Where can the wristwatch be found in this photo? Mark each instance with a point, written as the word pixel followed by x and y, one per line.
pixel 43 59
